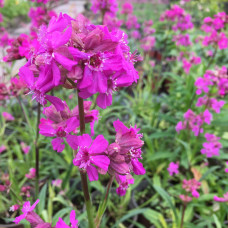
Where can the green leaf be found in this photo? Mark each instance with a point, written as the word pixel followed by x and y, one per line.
pixel 166 197
pixel 42 198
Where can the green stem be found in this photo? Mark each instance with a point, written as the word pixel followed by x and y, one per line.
pixel 103 205
pixel 182 216
pixel 83 175
pixel 37 153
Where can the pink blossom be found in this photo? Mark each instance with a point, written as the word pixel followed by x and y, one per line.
pixel 2 148
pixel 223 41
pixel 31 174
pixel 25 191
pixel 105 6
pixel 136 34
pixel 182 39
pixel 202 85
pixel 194 122
pixel 17 87
pixel 125 153
pixel 7 116
pixel 112 23
pixel 60 124
pixel 40 16
pixel 195 60
pixel 124 182
pixel 212 146
pixel 2 188
pixel 105 63
pixel 127 8
pixel 3 91
pixel 26 209
pixel 57 182
pixel 173 168
pixel 147 43
pixel 180 126
pixel 185 198
pixel 221 199
pixel 91 154
pixel 25 147
pixel 132 22
pixel 191 186
pixel 73 221
pixel 186 65
pixel 14 207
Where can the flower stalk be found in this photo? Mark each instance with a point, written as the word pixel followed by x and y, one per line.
pixel 37 153
pixel 83 175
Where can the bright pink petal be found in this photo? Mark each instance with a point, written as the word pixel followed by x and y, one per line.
pixel 58 103
pixel 99 145
pixel 92 173
pixel 101 161
pixel 58 144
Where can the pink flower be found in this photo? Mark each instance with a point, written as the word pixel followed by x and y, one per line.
pixel 182 39
pixel 91 154
pixel 57 182
pixel 186 65
pixel 60 124
pixel 2 188
pixel 221 199
pixel 202 85
pixel 127 8
pixel 125 153
pixel 2 148
pixel 26 210
pixel 136 34
pixel 212 146
pixel 180 126
pixel 105 6
pixel 132 22
pixel 14 207
pixel 7 116
pixel 191 186
pixel 25 147
pixel 194 122
pixel 73 221
pixel 185 198
pixel 3 91
pixel 124 182
pixel 31 174
pixel 25 191
pixel 17 87
pixel 148 43
pixel 223 41
pixel 173 168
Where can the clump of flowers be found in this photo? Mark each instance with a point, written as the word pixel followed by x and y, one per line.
pixel 182 20
pixel 214 26
pixel 173 168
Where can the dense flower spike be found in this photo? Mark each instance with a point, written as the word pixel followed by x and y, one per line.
pixel 212 146
pixel 91 154
pixel 60 124
pixel 105 62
